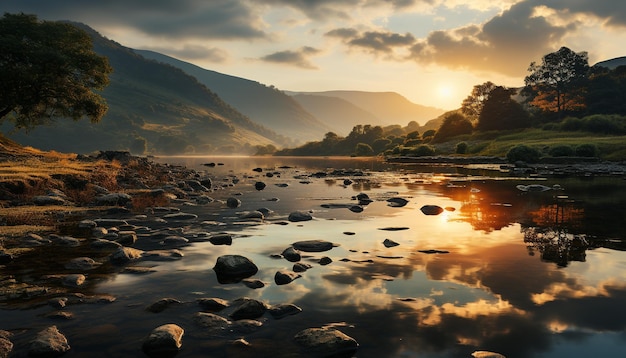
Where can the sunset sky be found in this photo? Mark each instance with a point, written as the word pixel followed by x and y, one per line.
pixel 431 51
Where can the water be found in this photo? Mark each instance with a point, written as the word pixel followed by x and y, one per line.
pixel 524 274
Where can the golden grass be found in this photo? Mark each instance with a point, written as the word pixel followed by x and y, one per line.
pixel 21 230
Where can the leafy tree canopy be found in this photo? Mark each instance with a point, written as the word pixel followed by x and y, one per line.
pixel 557 83
pixel 501 112
pixel 454 124
pixel 49 70
pixel 473 104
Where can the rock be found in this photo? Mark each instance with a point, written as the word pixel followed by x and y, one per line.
pixel 162 255
pixel 204 199
pixel 390 243
pixel 73 280
pixel 313 245
pixel 284 310
pixel 87 224
pixel 325 342
pixel 397 202
pixel 124 255
pixel 221 239
pixel 356 208
pixel 298 216
pixel 212 304
pixel 394 228
pixel 175 240
pixel 245 326
pixel 301 267
pixel 259 185
pixel 207 182
pixel 233 203
pixel 325 261
pixel 265 211
pixel 211 322
pixel 102 244
pixel 48 343
pixel 234 268
pixel 431 209
pixel 255 215
pixel 291 254
pixel 180 216
pixel 5 344
pixel 5 258
pixel 285 277
pixel 33 240
pixel 195 185
pixel 253 284
pixel 64 240
pixel 347 182
pixel 126 238
pixel 162 304
pixel 164 341
pixel 248 308
pixel 431 251
pixel 113 199
pixel 58 302
pixel 109 223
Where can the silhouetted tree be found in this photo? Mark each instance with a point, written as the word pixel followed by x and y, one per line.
pixel 501 112
pixel 48 70
pixel 556 85
pixel 472 106
pixel 453 124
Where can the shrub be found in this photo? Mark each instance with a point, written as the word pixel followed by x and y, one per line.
pixel 572 124
pixel 523 153
pixel 561 151
pixel 586 150
pixel 423 150
pixel 429 133
pixel 461 148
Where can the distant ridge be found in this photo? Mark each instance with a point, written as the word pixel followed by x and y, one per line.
pixel 389 107
pixel 265 105
pixel 613 63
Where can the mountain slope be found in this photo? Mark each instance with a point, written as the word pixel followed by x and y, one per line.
pixel 338 113
pixel 265 105
pixel 156 102
pixel 390 107
pixel 613 63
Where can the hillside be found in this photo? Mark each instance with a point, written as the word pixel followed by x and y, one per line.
pixel 613 63
pixel 338 113
pixel 154 102
pixel 390 107
pixel 265 105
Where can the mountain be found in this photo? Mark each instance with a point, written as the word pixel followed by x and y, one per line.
pixel 155 104
pixel 338 113
pixel 389 107
pixel 613 63
pixel 265 105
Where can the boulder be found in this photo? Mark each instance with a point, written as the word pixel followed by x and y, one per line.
pixel 162 304
pixel 397 202
pixel 233 203
pixel 390 243
pixel 124 255
pixel 6 346
pixel 73 280
pixel 211 322
pixel 325 342
pixel 44 200
pixel 298 216
pixel 234 268
pixel 248 308
pixel 284 310
pixel 325 261
pixel 431 209
pixel 163 341
pixel 313 245
pixel 259 185
pixel 301 267
pixel 221 239
pixel 113 199
pixel 212 303
pixel 48 343
pixel 285 277
pixel 253 283
pixel 291 254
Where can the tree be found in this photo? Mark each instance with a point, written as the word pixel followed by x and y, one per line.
pixel 363 150
pixel 556 85
pixel 48 70
pixel 453 124
pixel 501 112
pixel 472 106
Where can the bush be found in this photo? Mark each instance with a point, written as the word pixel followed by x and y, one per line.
pixel 572 124
pixel 523 153
pixel 586 150
pixel 561 151
pixel 423 150
pixel 461 148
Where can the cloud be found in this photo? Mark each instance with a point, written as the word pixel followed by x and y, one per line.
pixel 298 58
pixel 613 13
pixel 218 19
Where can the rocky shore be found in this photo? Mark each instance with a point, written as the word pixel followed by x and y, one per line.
pixel 154 213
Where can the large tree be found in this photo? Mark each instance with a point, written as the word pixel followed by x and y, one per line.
pixel 557 83
pixel 473 104
pixel 501 112
pixel 48 70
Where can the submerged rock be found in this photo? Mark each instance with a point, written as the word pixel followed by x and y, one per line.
pixel 162 304
pixel 325 342
pixel 313 245
pixel 298 216
pixel 212 303
pixel 397 202
pixel 390 243
pixel 234 268
pixel 285 277
pixel 284 310
pixel 291 254
pixel 48 343
pixel 164 341
pixel 431 209
pixel 248 308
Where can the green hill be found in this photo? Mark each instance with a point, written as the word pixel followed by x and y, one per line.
pixel 155 102
pixel 265 105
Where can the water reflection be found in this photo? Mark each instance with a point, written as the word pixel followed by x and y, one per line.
pixel 525 274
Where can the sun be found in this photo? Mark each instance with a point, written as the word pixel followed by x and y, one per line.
pixel 445 91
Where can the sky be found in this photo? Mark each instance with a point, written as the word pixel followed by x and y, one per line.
pixel 431 51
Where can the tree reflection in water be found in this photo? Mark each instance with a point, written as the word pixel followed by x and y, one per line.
pixel 553 232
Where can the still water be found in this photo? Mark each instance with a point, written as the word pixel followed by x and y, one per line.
pixel 520 273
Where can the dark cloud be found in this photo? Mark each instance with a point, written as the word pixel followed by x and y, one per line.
pixel 221 19
pixel 375 42
pixel 325 9
pixel 612 12
pixel 298 58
